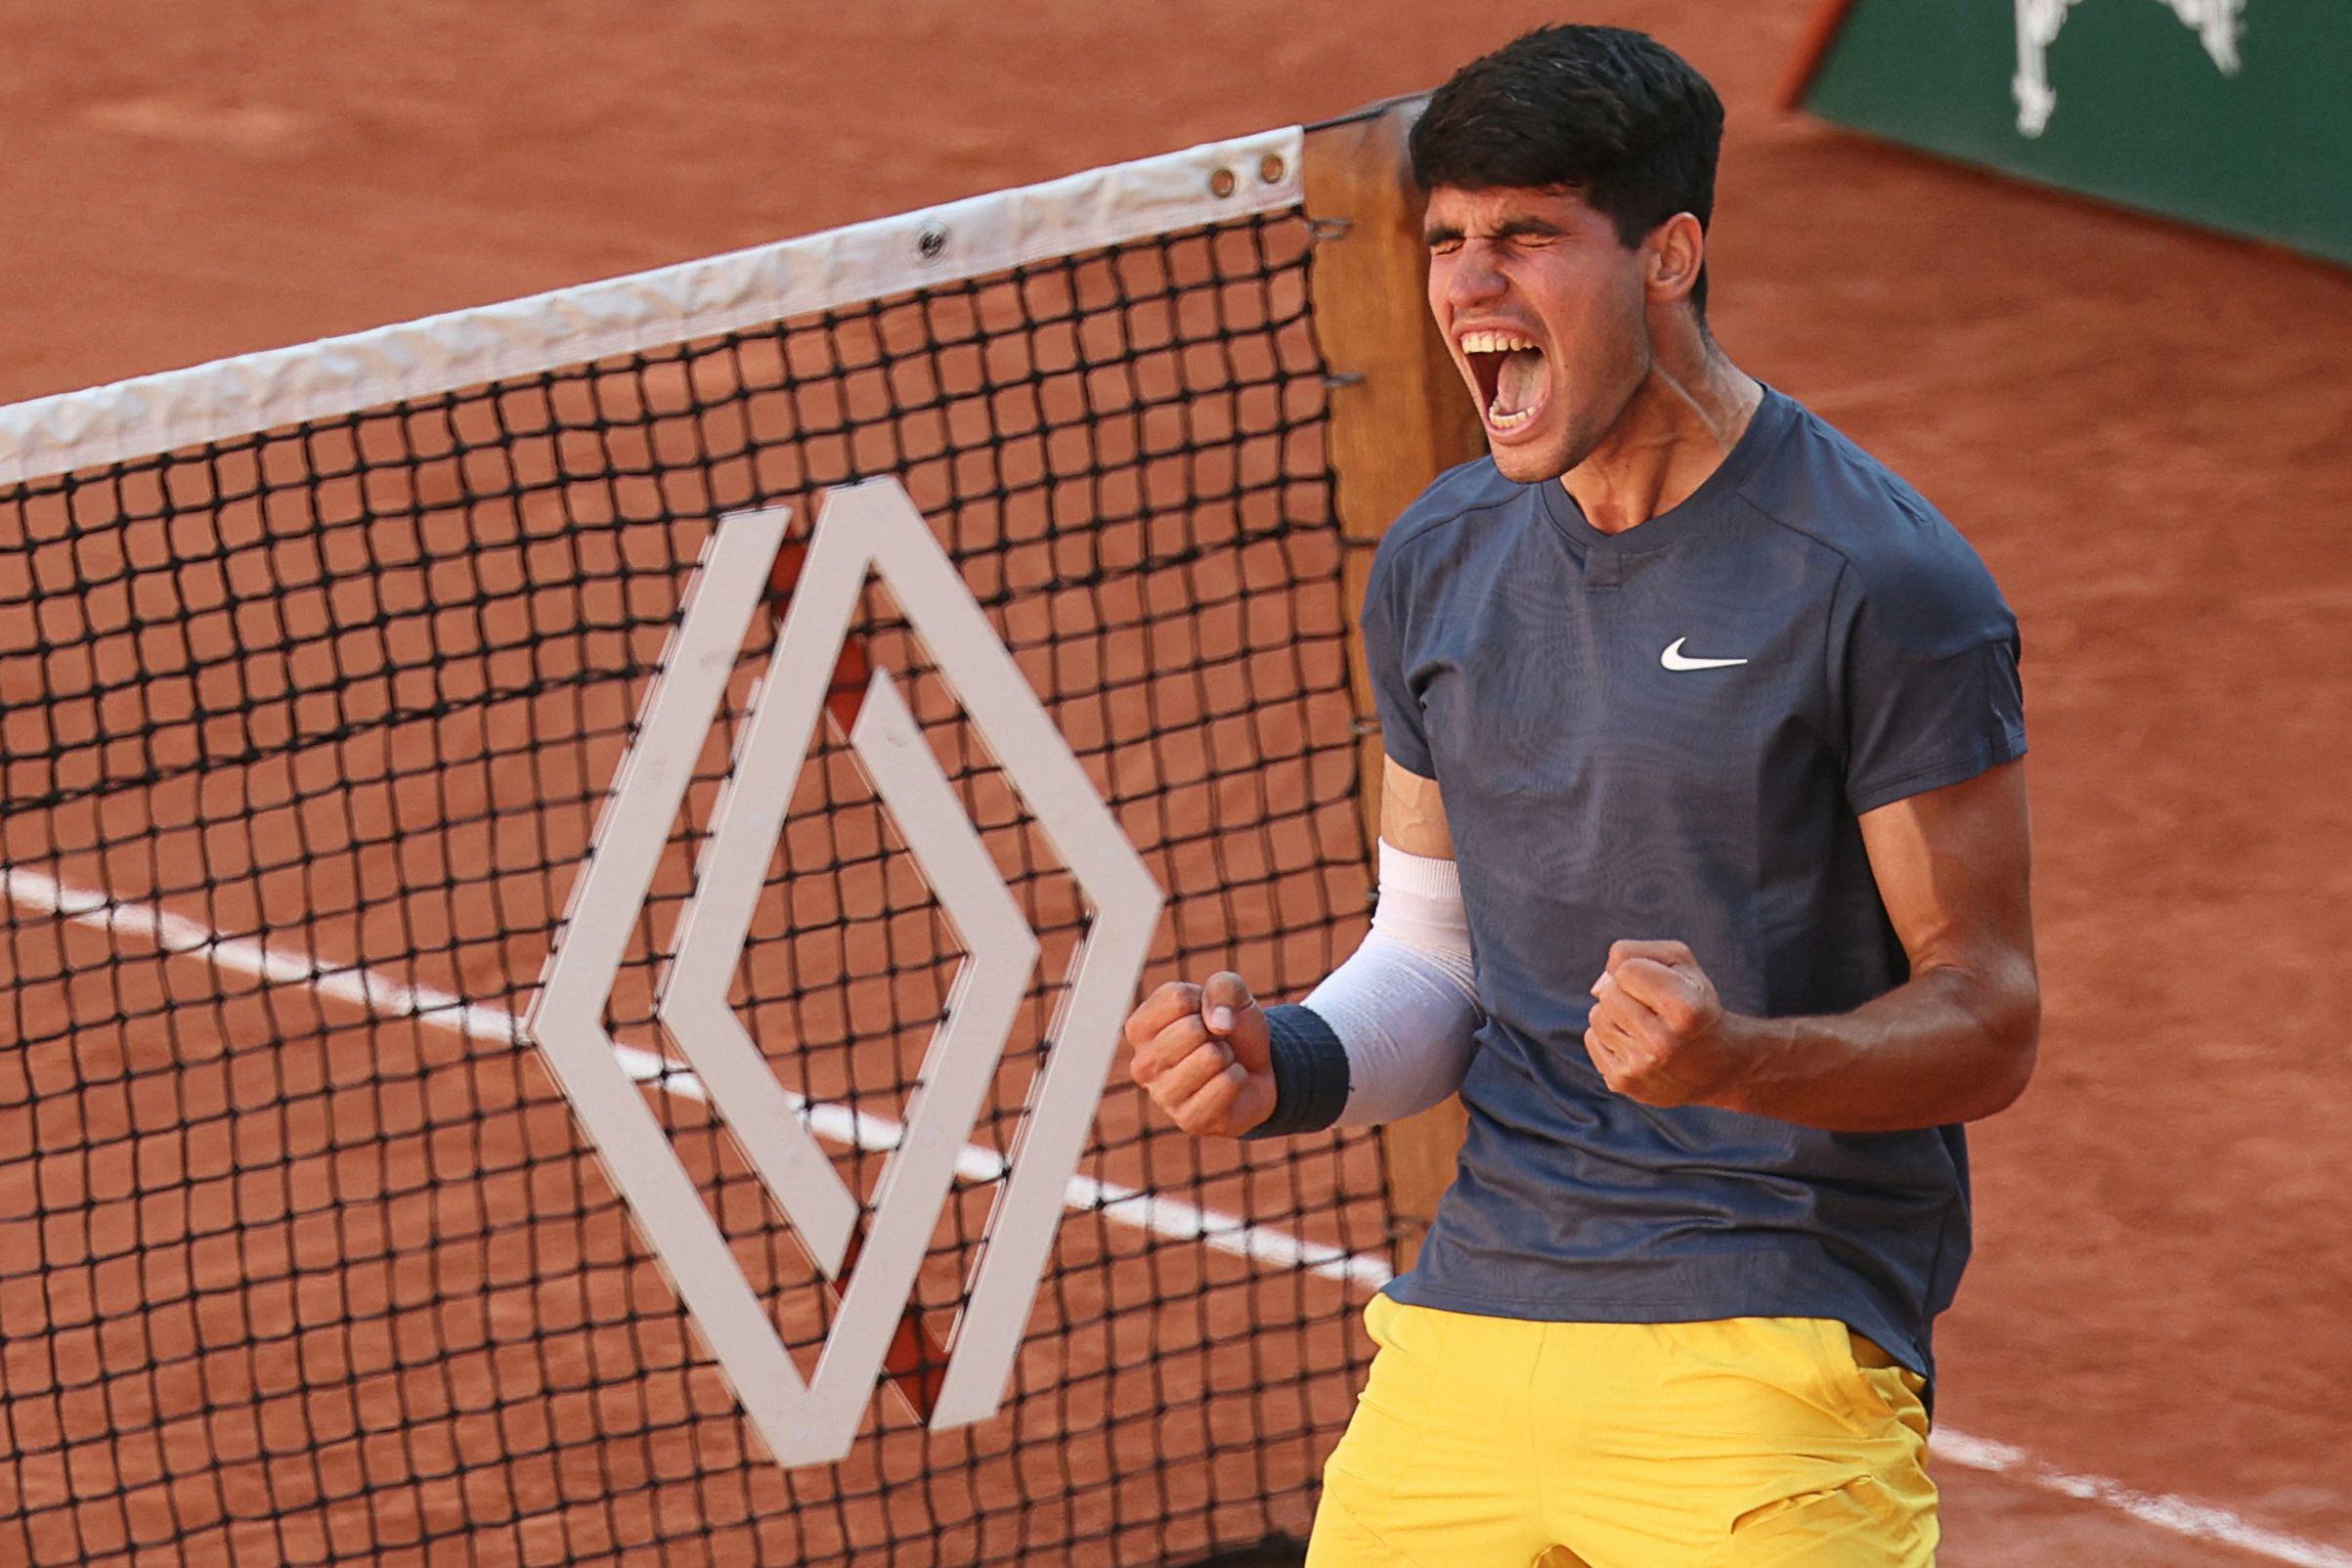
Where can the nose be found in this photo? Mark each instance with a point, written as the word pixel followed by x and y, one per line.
pixel 1476 277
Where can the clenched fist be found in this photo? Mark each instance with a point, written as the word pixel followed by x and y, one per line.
pixel 1658 1033
pixel 1200 1053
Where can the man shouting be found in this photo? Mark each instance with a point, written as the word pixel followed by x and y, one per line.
pixel 1703 880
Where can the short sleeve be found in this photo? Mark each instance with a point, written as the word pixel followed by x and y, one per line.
pixel 1927 672
pixel 1402 734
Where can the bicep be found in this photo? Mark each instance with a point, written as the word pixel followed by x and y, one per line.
pixel 1412 815
pixel 1954 868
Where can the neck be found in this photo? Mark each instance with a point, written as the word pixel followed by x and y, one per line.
pixel 1678 426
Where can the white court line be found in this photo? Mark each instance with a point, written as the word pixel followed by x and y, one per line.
pixel 390 999
pixel 2200 1521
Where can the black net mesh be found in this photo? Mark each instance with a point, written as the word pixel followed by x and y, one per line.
pixel 304 1258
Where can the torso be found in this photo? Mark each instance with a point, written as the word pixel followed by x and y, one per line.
pixel 1652 735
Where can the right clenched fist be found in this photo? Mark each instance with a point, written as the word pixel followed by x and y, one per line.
pixel 1200 1053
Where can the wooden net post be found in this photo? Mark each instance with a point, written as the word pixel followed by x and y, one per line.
pixel 1399 417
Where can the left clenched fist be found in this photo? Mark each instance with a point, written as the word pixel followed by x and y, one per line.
pixel 1657 1032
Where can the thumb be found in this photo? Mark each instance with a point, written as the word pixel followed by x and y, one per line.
pixel 1651 983
pixel 1234 1016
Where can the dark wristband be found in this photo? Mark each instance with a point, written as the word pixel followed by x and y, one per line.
pixel 1310 1072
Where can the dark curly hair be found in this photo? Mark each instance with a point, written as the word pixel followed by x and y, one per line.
pixel 1612 114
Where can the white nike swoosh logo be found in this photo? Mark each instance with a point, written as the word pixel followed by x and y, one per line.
pixel 1674 659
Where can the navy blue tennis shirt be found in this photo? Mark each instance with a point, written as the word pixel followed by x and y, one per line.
pixel 1670 732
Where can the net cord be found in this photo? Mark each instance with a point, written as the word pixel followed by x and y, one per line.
pixel 1215 181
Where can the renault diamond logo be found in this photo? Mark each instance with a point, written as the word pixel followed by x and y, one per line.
pixel 872 526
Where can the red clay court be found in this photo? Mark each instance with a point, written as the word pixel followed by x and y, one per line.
pixel 2139 425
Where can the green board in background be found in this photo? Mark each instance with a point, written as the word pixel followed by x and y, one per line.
pixel 2231 113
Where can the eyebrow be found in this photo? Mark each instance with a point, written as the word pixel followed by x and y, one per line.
pixel 1439 234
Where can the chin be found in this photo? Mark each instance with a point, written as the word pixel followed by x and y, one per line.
pixel 1523 466
pixel 1530 462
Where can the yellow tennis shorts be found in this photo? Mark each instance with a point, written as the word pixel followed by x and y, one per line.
pixel 1500 1443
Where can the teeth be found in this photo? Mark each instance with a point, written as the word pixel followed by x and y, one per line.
pixel 1489 342
pixel 1508 421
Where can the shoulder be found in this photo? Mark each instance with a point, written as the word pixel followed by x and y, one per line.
pixel 1457 496
pixel 1902 564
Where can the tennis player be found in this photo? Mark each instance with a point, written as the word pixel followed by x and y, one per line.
pixel 1703 881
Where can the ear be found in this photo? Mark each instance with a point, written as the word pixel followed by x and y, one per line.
pixel 1671 256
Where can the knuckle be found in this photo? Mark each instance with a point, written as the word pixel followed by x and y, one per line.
pixel 1202 1115
pixel 1149 1060
pixel 1186 1077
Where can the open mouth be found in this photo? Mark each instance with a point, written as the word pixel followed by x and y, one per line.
pixel 1509 368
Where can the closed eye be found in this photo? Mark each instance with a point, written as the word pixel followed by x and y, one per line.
pixel 1527 234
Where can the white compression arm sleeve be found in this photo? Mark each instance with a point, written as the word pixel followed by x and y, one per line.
pixel 1405 1005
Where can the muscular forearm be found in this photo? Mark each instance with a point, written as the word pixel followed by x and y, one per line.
pixel 1949 1045
pixel 1952 1043
pixel 1387 1033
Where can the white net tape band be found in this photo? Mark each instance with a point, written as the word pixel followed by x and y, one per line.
pixel 1213 183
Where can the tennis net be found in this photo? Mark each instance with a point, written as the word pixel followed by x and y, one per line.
pixel 319 669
